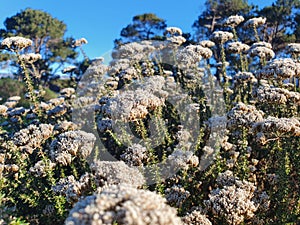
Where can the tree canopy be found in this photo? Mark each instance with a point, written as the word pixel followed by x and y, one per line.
pixel 143 27
pixel 47 34
pixel 281 22
pixel 215 12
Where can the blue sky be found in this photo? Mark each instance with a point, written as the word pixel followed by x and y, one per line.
pixel 100 21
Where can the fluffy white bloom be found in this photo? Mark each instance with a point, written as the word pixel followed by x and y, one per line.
pixel 207 43
pixel 233 21
pixel 293 48
pixel 116 172
pixel 254 22
pixel 123 205
pixel 274 95
pixel 173 31
pixel 280 69
pixel 69 69
pixel 30 57
pixel 234 200
pixel 178 40
pixel 262 50
pixel 79 42
pixel 16 43
pixel 237 47
pixel 221 36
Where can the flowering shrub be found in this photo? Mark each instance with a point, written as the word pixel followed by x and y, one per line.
pixel 158 136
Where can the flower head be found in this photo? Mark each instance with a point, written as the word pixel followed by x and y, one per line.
pixel 16 43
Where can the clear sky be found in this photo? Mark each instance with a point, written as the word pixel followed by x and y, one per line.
pixel 100 21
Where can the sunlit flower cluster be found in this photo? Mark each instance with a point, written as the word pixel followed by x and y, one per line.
pixel 123 205
pixel 233 21
pixel 16 43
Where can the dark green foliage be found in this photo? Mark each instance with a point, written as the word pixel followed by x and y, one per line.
pixel 281 23
pixel 215 12
pixel 143 27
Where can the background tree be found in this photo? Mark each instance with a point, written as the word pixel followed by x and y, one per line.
pixel 215 12
pixel 297 27
pixel 143 27
pixel 47 34
pixel 281 23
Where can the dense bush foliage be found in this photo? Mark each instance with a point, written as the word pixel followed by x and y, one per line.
pixel 161 135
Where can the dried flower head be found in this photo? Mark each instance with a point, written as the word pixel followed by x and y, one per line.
pixel 207 43
pixel 196 217
pixel 115 172
pixel 262 50
pixel 237 47
pixel 278 96
pixel 280 69
pixel 16 43
pixel 233 21
pixel 243 116
pixel 123 205
pixel 135 155
pixel 173 31
pixel 30 57
pixel 72 143
pixel 79 42
pixel 293 48
pixel 254 22
pixel 33 136
pixel 177 40
pixel 234 200
pixel 221 36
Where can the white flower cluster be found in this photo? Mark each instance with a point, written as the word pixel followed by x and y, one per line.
pixel 273 95
pixel 95 70
pixel 116 172
pixel 131 105
pixel 67 92
pixel 221 36
pixel 33 136
pixel 3 110
pixel 293 48
pixel 30 57
pixel 237 47
pixel 135 155
pixel 71 144
pixel 207 43
pixel 11 102
pixel 280 69
pixel 79 42
pixel 262 50
pixel 123 205
pixel 196 217
pixel 16 43
pixel 242 78
pixel 192 54
pixel 119 65
pixel 177 40
pixel 254 22
pixel 73 189
pixel 181 159
pixel 233 21
pixel 273 127
pixel 172 31
pixel 243 116
pixel 234 200
pixel 134 51
pixel 176 195
pixel 41 168
pixel 69 69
